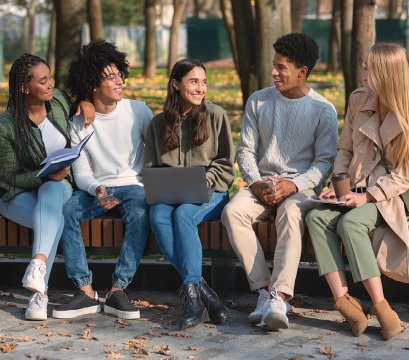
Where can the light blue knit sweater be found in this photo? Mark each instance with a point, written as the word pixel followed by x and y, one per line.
pixel 289 138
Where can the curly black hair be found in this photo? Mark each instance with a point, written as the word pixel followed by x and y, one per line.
pixel 86 70
pixel 299 48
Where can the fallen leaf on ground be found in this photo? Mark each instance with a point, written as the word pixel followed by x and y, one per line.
pixel 114 355
pixel 49 333
pixel 110 345
pixel 164 350
pixel 63 333
pixel 154 334
pixel 195 348
pixel 41 326
pixel 25 339
pixel 87 335
pixel 210 326
pixel 138 349
pixel 91 325
pixel 66 348
pixel 8 347
pixel 123 322
pixel 327 350
pixel 178 334
pixel 360 344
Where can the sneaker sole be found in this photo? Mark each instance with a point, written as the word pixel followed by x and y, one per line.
pixel 255 319
pixel 35 316
pixel 129 315
pixel 275 321
pixel 69 314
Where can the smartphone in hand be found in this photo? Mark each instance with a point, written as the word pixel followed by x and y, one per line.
pixel 108 197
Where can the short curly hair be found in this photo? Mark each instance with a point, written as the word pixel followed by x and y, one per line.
pixel 299 48
pixel 86 70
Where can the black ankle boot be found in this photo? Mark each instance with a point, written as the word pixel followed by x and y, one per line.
pixel 217 311
pixel 194 311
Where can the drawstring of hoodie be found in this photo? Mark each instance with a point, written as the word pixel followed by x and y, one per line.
pixel 180 143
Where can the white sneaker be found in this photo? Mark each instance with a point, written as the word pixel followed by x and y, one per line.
pixel 37 307
pixel 256 315
pixel 274 313
pixel 34 277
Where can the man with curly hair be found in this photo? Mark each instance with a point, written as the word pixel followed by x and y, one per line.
pixel 111 163
pixel 286 150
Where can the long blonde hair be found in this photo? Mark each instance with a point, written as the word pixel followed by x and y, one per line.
pixel 389 76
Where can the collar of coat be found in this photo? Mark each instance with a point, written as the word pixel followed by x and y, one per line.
pixel 380 134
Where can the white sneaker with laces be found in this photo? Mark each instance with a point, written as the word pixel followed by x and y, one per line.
pixel 34 276
pixel 37 307
pixel 274 313
pixel 256 315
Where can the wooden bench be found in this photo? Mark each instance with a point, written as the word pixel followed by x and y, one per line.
pixel 103 236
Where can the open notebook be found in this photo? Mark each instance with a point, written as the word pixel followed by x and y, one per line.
pixel 176 185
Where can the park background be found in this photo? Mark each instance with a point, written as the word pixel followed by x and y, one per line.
pixel 232 37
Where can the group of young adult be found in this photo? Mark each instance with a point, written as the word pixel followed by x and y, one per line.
pixel 287 150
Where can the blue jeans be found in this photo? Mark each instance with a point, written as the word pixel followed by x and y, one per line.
pixel 42 211
pixel 175 229
pixel 83 207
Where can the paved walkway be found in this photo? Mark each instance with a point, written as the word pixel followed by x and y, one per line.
pixel 316 332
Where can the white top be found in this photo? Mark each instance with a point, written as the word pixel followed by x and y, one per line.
pixel 289 138
pixel 52 138
pixel 113 156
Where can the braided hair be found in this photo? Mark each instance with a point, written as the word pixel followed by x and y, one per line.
pixel 28 149
pixel 87 69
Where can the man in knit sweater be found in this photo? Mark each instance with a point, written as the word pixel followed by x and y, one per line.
pixel 111 163
pixel 286 150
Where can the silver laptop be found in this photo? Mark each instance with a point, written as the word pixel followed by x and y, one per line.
pixel 176 185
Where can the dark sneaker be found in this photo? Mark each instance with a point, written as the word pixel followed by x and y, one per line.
pixel 118 304
pixel 81 304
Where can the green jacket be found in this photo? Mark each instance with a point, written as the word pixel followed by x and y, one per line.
pixel 216 153
pixel 57 112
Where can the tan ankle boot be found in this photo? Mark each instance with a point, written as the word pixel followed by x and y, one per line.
pixel 352 311
pixel 388 319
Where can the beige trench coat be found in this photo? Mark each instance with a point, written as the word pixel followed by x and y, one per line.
pixel 362 138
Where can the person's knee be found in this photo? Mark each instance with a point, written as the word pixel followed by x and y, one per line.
pixel 347 223
pixel 312 218
pixel 230 212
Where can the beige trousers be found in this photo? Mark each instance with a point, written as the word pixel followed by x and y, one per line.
pixel 244 210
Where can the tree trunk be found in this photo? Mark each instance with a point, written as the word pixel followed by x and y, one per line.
pixel 69 17
pixel 298 8
pixel 393 9
pixel 51 41
pixel 225 6
pixel 244 30
pixel 347 10
pixel 335 38
pixel 149 66
pixel 31 14
pixel 363 33
pixel 94 14
pixel 178 13
pixel 273 19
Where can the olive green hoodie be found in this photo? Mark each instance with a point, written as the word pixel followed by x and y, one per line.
pixel 57 112
pixel 216 153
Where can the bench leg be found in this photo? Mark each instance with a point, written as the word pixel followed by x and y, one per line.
pixel 224 279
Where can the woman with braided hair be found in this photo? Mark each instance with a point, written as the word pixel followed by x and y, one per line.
pixel 34 125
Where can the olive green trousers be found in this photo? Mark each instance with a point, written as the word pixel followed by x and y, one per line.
pixel 327 223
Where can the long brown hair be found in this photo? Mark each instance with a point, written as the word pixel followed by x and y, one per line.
pixel 198 115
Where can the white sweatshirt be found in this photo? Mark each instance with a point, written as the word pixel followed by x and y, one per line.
pixel 113 156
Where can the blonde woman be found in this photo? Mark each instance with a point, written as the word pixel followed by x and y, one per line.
pixel 373 149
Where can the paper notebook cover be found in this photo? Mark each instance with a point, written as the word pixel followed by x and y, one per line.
pixel 61 158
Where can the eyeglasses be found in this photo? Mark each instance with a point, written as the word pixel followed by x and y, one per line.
pixel 115 77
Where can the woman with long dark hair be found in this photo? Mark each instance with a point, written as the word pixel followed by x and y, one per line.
pixel 34 125
pixel 191 131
